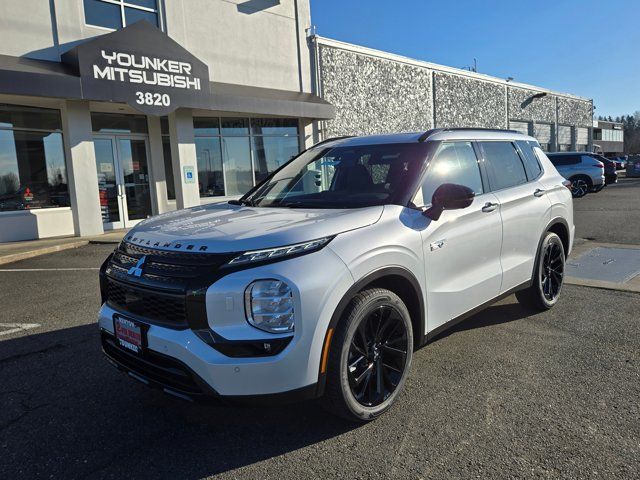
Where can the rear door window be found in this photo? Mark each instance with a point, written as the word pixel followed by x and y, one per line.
pixel 504 166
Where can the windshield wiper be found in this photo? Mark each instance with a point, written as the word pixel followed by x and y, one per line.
pixel 248 203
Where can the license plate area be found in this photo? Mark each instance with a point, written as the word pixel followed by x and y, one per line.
pixel 130 334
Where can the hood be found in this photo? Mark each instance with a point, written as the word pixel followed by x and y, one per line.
pixel 222 227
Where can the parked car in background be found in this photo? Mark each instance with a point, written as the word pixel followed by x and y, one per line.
pixel 621 162
pixel 633 166
pixel 610 169
pixel 584 170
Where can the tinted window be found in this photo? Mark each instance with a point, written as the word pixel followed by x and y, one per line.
pixel 110 13
pixel 454 162
pixel 504 166
pixel 531 164
pixel 559 160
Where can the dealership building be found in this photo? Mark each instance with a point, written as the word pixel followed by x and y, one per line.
pixel 115 110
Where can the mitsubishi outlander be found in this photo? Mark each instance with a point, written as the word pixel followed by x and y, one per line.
pixel 324 279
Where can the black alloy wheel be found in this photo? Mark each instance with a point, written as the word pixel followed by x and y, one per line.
pixel 377 356
pixel 552 271
pixel 369 356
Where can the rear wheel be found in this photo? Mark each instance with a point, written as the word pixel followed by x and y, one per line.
pixel 548 277
pixel 580 186
pixel 369 357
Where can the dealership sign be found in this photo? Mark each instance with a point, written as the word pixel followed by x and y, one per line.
pixel 141 66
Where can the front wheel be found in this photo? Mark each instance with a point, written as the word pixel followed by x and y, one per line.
pixel 369 356
pixel 548 276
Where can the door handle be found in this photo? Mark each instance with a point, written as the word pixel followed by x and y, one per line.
pixel 489 207
pixel 539 192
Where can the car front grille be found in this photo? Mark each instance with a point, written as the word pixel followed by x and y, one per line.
pixel 167 289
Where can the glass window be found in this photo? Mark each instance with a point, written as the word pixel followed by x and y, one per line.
pixel 32 170
pixel 133 15
pixel 168 168
pixel 117 123
pixel 246 151
pixel 560 160
pixel 205 126
pixel 235 126
pixel 274 126
pixel 454 162
pixel 14 116
pixel 269 153
pixel 210 175
pixel 110 13
pixel 236 158
pixel 504 166
pixel 531 164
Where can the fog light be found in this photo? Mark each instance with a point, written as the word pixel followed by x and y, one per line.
pixel 268 306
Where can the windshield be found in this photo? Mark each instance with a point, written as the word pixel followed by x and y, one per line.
pixel 344 177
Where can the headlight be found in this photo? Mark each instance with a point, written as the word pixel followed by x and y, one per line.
pixel 269 306
pixel 279 252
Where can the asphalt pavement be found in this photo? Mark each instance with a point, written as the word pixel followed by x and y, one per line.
pixel 506 394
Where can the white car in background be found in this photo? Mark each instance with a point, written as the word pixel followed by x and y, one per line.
pixel 324 279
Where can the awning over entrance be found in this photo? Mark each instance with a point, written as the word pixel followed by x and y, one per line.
pixel 143 67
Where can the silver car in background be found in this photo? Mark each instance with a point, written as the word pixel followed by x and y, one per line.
pixel 585 173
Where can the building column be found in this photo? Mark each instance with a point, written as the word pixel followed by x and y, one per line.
pixel 81 168
pixel 158 181
pixel 183 158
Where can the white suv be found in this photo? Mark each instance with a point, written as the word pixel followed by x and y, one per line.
pixel 323 279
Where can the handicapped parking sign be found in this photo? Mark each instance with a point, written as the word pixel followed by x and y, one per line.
pixel 189 175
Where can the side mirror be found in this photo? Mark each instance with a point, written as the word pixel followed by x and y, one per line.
pixel 449 196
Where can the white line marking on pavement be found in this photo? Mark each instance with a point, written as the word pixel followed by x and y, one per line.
pixel 16 327
pixel 47 269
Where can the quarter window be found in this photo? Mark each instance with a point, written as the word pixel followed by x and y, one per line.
pixel 454 162
pixel 531 164
pixel 504 166
pixel 116 14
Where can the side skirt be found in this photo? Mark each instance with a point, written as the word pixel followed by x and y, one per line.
pixel 452 323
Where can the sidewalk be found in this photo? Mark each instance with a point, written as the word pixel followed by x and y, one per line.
pixel 14 251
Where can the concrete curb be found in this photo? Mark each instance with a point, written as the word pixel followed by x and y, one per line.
pixel 14 257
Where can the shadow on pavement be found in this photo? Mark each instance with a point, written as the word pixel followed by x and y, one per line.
pixel 67 413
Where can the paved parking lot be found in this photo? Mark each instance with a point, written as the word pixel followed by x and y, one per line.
pixel 505 394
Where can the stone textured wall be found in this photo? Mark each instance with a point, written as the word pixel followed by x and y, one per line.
pixel 373 95
pixel 466 102
pixel 575 112
pixel 523 107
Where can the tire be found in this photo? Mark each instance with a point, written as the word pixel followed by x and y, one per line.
pixel 546 285
pixel 366 371
pixel 580 185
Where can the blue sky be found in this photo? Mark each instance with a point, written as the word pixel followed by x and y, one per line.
pixel 588 48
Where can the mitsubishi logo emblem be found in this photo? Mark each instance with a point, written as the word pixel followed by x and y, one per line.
pixel 137 270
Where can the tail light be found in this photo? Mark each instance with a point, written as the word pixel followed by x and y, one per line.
pixel 567 184
pixel 599 165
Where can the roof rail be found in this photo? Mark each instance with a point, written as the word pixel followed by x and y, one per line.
pixel 428 133
pixel 327 140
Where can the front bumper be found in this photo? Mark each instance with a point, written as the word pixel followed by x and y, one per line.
pixel 293 372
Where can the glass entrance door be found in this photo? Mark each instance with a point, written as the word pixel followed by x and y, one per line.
pixel 123 179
